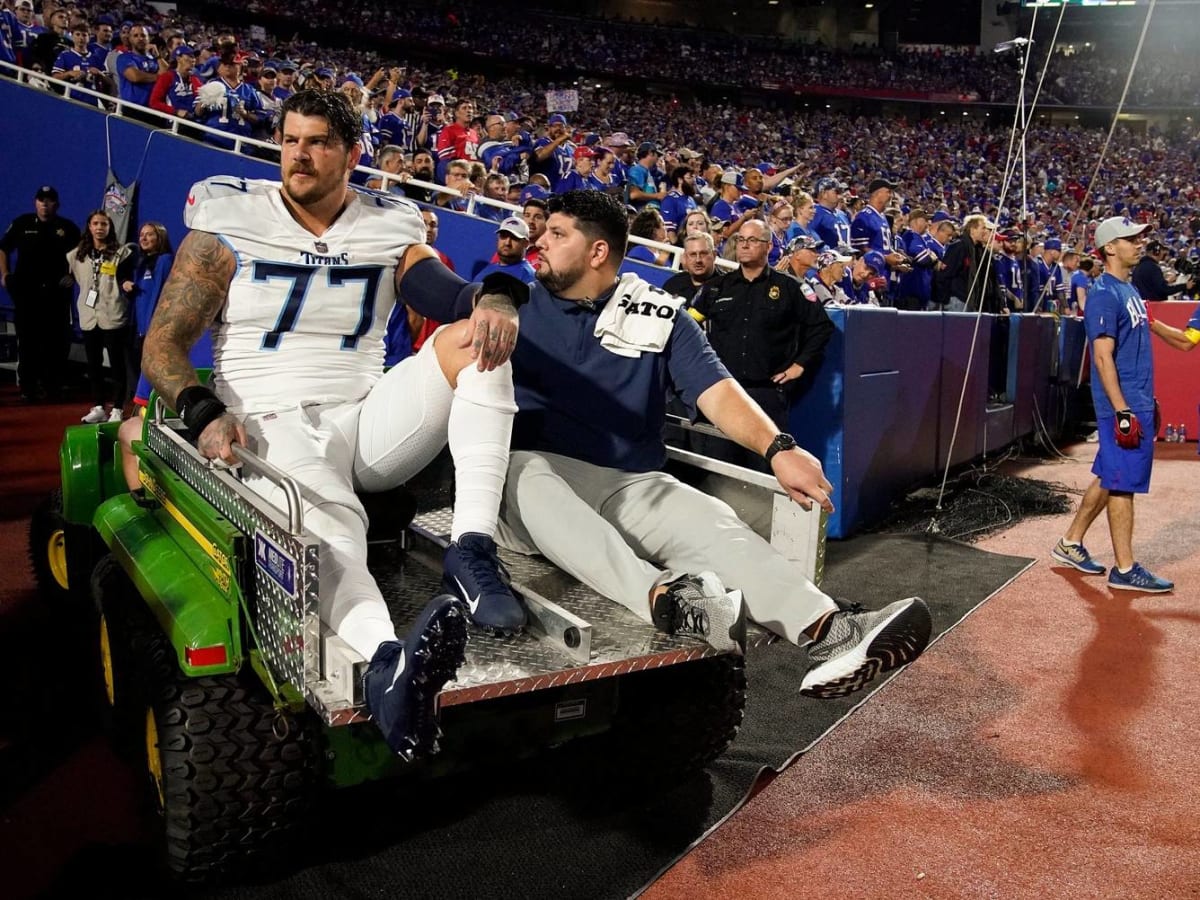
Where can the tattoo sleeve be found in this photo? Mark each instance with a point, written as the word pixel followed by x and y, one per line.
pixel 194 294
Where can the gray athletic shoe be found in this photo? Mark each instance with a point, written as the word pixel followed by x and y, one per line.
pixel 860 644
pixel 700 605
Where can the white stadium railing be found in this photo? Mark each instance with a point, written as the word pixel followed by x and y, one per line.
pixel 187 129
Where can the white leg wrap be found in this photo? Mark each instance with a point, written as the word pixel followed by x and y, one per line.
pixel 480 426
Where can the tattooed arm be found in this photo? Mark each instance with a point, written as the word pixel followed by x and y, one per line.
pixel 492 329
pixel 191 299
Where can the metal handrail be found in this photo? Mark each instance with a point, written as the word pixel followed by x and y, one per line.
pixel 174 124
pixel 251 460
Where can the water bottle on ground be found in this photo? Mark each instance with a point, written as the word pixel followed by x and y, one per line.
pixel 1181 434
pixel 1169 437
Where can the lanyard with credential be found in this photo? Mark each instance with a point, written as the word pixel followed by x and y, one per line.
pixel 93 294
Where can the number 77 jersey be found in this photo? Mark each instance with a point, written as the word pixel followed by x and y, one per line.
pixel 305 316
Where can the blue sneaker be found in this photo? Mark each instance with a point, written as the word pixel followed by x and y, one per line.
pixel 1138 579
pixel 474 574
pixel 1077 557
pixel 404 677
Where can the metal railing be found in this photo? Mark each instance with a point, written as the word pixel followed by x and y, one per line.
pixel 269 150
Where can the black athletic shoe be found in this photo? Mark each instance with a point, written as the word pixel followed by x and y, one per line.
pixel 475 575
pixel 404 677
pixel 857 645
pixel 700 605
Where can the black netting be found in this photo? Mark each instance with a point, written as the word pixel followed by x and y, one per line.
pixel 977 503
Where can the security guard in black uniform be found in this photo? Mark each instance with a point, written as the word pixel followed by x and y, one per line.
pixel 41 292
pixel 762 324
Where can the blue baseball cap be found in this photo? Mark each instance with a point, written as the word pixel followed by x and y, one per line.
pixel 286 65
pixel 1053 244
pixel 350 78
pixel 401 94
pixel 182 50
pixel 557 119
pixel 324 72
pixel 829 183
pixel 942 216
pixel 533 192
pixel 875 260
pixel 106 20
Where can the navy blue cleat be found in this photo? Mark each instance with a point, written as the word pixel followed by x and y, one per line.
pixel 475 575
pixel 403 680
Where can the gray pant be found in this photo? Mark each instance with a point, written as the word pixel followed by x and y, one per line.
pixel 622 533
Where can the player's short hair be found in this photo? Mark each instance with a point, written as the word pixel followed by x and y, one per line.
pixel 702 237
pixel 600 216
pixel 332 106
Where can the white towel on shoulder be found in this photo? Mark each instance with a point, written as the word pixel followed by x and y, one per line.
pixel 637 319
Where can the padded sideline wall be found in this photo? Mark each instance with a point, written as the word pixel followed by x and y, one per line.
pixel 47 140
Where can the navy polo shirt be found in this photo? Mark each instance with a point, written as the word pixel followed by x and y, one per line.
pixel 577 399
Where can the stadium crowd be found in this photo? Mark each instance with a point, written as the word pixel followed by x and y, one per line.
pixel 495 138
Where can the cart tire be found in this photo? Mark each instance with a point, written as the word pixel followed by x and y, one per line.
pixel 232 779
pixel 674 721
pixel 123 626
pixel 48 548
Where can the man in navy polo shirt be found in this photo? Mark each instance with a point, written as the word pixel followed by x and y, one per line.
pixel 1118 328
pixel 585 483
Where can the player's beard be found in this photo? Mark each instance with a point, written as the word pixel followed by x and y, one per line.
pixel 317 189
pixel 557 282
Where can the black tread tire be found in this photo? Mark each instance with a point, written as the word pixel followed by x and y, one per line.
pixel 47 520
pixel 672 722
pixel 129 625
pixel 236 794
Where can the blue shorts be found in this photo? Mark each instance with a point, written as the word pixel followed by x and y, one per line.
pixel 1121 469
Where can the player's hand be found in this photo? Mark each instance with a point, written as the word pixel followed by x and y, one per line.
pixel 218 437
pixel 1128 430
pixel 800 474
pixel 791 373
pixel 127 287
pixel 493 332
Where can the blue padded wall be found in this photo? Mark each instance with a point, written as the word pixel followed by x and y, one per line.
pixel 878 413
pixel 957 332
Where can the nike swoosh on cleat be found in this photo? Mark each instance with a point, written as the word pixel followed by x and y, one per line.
pixel 472 603
pixel 399 669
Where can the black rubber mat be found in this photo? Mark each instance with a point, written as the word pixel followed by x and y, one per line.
pixel 549 827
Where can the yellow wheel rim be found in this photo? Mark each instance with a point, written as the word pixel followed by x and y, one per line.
pixel 56 555
pixel 153 759
pixel 106 662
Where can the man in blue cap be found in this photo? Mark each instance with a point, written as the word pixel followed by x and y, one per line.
pixel 830 223
pixel 175 91
pixel 1052 283
pixel 553 153
pixel 285 86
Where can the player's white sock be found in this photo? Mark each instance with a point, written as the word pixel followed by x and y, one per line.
pixel 480 426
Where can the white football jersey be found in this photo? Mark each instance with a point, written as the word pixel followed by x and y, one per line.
pixel 306 315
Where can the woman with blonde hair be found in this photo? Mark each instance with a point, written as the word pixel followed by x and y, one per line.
pixel 103 314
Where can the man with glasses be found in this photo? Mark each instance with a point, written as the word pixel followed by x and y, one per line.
pixel 761 324
pixel 699 266
pixel 1118 329
pixel 458 178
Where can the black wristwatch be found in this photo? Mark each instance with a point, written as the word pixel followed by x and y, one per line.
pixel 783 441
